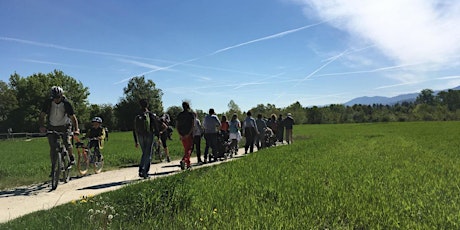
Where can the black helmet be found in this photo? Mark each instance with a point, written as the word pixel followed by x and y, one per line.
pixel 56 92
pixel 97 119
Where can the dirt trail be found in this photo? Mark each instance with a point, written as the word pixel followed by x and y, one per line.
pixel 24 200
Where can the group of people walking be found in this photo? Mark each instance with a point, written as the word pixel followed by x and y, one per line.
pixel 191 131
pixel 147 125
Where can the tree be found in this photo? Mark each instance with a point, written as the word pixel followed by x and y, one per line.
pixel 314 115
pixel 137 88
pixel 298 112
pixel 173 111
pixel 31 92
pixel 233 108
pixel 451 99
pixel 426 97
pixel 8 102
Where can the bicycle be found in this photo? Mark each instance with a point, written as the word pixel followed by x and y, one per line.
pixel 87 157
pixel 61 162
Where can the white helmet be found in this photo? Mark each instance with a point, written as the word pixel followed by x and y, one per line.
pixel 56 92
pixel 97 119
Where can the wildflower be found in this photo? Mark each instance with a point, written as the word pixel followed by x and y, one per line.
pixel 91 211
pixel 110 217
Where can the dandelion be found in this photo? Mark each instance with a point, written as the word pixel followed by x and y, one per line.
pixel 91 211
pixel 110 217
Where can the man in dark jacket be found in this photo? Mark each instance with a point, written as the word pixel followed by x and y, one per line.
pixel 144 132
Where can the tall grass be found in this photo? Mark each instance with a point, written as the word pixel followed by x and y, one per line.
pixel 355 176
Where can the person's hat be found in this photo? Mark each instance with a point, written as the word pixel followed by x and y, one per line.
pixel 289 114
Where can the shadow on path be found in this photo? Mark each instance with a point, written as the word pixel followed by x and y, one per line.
pixel 107 185
pixel 25 191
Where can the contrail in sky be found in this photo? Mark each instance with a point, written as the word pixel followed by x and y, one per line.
pixel 64 48
pixel 321 67
pixel 266 38
pixel 277 35
pixel 228 48
pixel 332 59
pixel 368 71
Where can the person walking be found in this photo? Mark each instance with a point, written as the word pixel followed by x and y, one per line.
pixel 184 125
pixel 272 123
pixel 261 127
pixel 249 132
pixel 234 130
pixel 144 132
pixel 211 125
pixel 280 130
pixel 288 124
pixel 164 136
pixel 197 134
pixel 61 118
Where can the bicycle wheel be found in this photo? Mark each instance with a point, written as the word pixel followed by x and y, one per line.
pixel 83 162
pixel 66 167
pixel 98 162
pixel 56 171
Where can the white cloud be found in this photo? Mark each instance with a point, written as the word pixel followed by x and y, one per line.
pixel 406 31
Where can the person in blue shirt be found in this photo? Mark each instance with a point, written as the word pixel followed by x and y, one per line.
pixel 249 132
pixel 211 126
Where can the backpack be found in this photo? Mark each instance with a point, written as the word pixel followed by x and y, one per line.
pixel 185 122
pixel 142 123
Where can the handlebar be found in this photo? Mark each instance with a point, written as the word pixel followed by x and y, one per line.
pixel 49 132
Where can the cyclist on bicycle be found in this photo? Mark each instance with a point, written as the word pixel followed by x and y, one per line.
pixel 96 135
pixel 61 118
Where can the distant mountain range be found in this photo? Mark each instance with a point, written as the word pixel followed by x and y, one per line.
pixel 388 100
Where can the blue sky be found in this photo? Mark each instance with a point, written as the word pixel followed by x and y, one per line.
pixel 316 52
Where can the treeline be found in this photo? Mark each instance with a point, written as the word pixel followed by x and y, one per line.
pixel 22 97
pixel 428 106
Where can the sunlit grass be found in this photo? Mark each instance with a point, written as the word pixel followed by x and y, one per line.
pixel 366 176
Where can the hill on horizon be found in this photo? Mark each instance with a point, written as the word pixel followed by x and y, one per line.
pixel 366 100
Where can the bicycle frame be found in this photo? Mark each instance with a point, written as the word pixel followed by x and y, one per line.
pixel 87 157
pixel 61 161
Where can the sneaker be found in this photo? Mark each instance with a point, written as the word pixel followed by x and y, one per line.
pixel 168 159
pixel 144 176
pixel 189 167
pixel 182 165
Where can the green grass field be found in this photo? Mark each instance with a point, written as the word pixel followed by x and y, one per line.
pixel 353 176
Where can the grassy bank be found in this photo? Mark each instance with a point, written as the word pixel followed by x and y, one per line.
pixel 357 176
